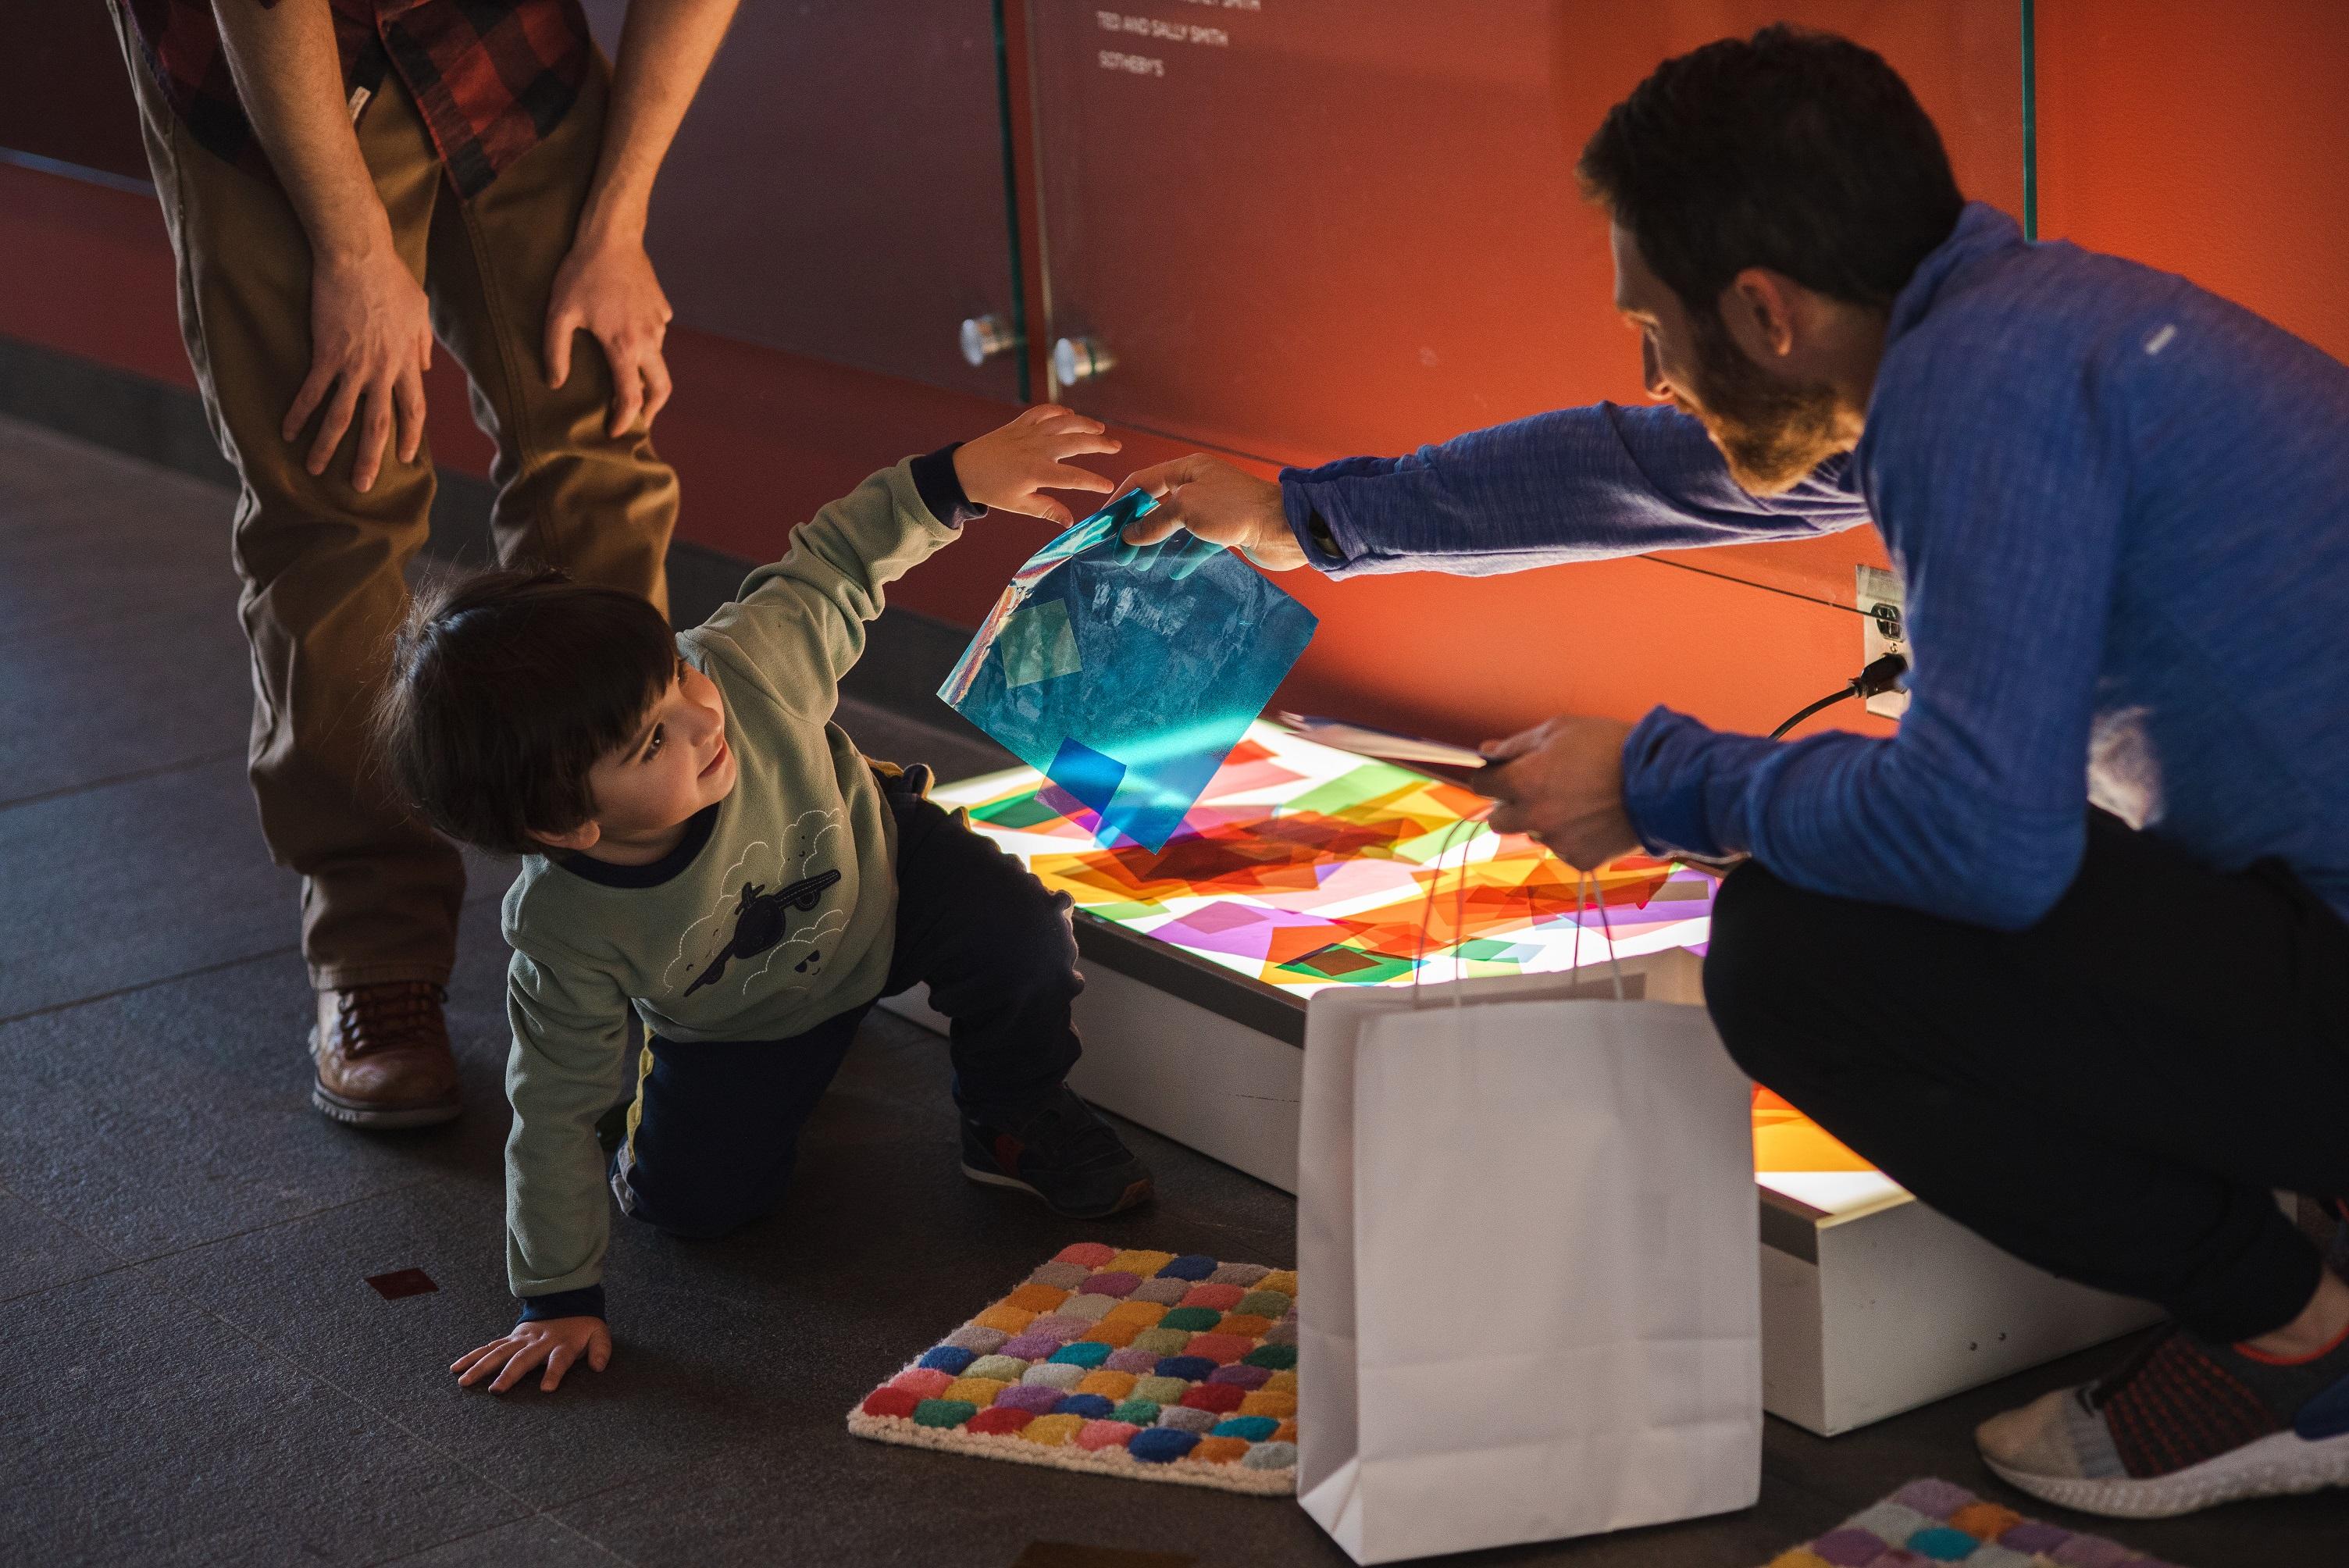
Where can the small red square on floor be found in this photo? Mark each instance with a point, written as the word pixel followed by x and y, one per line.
pixel 402 1282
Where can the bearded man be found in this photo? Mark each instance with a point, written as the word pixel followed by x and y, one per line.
pixel 2097 883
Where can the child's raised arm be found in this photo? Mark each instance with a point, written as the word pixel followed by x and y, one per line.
pixel 799 625
pixel 1011 466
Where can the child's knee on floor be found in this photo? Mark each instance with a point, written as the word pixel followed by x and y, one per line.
pixel 706 1227
pixel 705 1220
pixel 692 1215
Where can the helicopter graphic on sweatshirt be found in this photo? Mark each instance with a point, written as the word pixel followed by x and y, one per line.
pixel 760 917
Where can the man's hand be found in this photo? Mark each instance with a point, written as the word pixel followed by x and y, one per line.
pixel 370 344
pixel 1010 467
pixel 1562 782
pixel 370 334
pixel 559 1342
pixel 1218 502
pixel 606 287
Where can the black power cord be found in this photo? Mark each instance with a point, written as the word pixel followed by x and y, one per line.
pixel 1882 676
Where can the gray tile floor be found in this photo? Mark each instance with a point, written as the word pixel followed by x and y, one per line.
pixel 192 1368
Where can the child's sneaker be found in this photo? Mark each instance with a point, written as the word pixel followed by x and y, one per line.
pixel 1062 1153
pixel 2183 1425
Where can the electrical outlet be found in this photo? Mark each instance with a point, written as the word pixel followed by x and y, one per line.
pixel 1881 632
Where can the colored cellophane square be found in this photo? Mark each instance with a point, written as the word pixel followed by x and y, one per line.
pixel 1302 866
pixel 1127 676
pixel 1143 1366
pixel 1932 1521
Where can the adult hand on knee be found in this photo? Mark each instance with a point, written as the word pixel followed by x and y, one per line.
pixel 370 344
pixel 1562 783
pixel 1219 502
pixel 559 1342
pixel 606 288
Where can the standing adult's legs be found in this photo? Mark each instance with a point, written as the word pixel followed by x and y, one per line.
pixel 323 590
pixel 570 494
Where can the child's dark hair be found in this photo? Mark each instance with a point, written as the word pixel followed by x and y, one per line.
pixel 506 687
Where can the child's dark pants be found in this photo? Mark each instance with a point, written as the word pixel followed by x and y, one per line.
pixel 717 1124
pixel 2113 1094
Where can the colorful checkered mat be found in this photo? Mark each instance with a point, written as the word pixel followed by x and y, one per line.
pixel 1929 1522
pixel 1135 1363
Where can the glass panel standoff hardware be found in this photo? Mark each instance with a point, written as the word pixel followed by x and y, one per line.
pixel 1076 359
pixel 985 336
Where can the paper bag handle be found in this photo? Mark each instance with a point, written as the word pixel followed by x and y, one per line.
pixel 1460 912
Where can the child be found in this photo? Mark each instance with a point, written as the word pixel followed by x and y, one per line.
pixel 702 844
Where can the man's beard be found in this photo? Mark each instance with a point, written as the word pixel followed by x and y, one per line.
pixel 1772 432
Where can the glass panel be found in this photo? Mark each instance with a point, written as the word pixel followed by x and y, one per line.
pixel 1302 229
pixel 837 188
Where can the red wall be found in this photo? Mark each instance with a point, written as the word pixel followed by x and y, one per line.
pixel 761 437
pixel 2212 143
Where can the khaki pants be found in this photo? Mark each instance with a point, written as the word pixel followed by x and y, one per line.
pixel 321 563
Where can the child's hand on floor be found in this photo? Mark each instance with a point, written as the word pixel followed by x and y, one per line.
pixel 560 1342
pixel 1008 466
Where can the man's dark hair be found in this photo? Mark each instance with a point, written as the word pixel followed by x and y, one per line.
pixel 1795 150
pixel 506 687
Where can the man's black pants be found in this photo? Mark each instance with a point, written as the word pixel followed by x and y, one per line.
pixel 715 1127
pixel 2113 1095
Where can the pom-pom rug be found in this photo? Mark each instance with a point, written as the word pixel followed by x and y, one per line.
pixel 1928 1524
pixel 1141 1365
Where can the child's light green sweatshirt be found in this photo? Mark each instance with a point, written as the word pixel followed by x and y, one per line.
pixel 776 911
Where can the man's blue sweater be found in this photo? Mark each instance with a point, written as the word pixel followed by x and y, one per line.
pixel 2119 506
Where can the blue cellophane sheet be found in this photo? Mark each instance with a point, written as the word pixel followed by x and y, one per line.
pixel 1125 674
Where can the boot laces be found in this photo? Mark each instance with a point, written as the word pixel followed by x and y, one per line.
pixel 389 1016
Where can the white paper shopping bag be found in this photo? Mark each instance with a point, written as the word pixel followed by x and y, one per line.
pixel 1529 1221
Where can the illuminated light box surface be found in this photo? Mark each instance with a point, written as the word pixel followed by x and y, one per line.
pixel 1304 867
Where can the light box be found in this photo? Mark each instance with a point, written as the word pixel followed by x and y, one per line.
pixel 1304 867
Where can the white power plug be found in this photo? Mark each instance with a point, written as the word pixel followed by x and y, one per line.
pixel 1882 631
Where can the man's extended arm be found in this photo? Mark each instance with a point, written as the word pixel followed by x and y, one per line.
pixel 1571 485
pixel 370 330
pixel 606 285
pixel 1575 484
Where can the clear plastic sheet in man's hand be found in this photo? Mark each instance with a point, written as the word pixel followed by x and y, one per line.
pixel 1126 674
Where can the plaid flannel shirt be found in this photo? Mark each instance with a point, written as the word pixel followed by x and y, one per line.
pixel 492 77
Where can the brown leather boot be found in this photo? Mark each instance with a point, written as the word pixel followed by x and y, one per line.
pixel 383 1055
